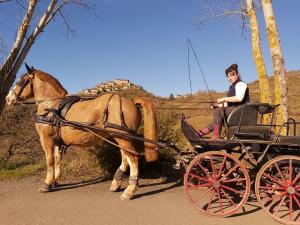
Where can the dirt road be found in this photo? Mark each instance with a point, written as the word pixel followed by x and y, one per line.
pixel 88 204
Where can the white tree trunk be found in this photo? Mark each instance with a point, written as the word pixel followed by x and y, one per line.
pixel 265 93
pixel 277 61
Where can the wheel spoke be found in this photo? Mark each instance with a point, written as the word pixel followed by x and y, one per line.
pixel 274 179
pixel 203 169
pixel 198 177
pixel 212 167
pixel 234 180
pixel 199 185
pixel 221 167
pixel 212 194
pixel 280 204
pixel 208 190
pixel 290 171
pixel 220 200
pixel 279 171
pixel 291 208
pixel 273 197
pixel 296 200
pixel 229 172
pixel 231 189
pixel 226 195
pixel 296 179
pixel 272 188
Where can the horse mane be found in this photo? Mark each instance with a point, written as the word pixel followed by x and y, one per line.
pixel 51 80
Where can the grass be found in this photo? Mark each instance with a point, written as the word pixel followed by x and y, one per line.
pixel 13 171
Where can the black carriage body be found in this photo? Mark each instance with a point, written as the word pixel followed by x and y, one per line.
pixel 244 128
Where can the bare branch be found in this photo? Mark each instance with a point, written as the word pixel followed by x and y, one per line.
pixel 69 28
pixel 20 3
pixel 3 1
pixel 215 16
pixel 81 3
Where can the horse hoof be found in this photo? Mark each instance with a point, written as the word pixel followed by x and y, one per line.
pixel 115 186
pixel 114 189
pixel 46 188
pixel 126 196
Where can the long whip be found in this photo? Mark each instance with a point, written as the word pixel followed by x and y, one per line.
pixel 189 44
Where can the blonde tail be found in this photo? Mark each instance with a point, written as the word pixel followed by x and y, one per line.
pixel 150 127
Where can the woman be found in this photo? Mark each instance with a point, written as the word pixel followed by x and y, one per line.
pixel 238 94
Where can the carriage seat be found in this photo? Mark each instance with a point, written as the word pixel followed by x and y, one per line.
pixel 242 122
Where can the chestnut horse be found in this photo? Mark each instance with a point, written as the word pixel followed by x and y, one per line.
pixel 48 93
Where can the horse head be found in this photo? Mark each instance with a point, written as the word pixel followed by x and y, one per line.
pixel 23 89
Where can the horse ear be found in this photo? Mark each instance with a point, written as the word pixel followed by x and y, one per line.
pixel 29 70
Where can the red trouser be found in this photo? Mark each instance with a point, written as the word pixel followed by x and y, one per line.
pixel 218 116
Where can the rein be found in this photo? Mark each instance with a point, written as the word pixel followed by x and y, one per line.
pixel 52 99
pixel 37 101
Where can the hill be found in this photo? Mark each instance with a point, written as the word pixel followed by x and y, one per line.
pixel 20 149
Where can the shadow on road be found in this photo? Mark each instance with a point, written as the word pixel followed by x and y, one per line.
pixel 251 206
pixel 176 183
pixel 66 186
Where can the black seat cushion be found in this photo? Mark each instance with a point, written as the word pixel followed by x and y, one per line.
pixel 250 132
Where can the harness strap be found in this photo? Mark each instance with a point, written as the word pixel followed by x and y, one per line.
pixel 105 112
pixel 121 113
pixel 104 120
pixel 112 143
pixel 57 123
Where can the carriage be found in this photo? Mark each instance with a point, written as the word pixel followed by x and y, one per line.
pixel 252 157
pixel 220 174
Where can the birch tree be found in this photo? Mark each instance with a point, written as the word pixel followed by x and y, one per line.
pixel 277 62
pixel 26 37
pixel 264 87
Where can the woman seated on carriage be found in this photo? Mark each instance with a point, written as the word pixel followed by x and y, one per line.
pixel 238 94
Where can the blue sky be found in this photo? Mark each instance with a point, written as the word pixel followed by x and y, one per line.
pixel 145 41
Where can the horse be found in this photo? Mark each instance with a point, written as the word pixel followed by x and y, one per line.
pixel 48 92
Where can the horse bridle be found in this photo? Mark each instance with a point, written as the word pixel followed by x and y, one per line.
pixel 27 81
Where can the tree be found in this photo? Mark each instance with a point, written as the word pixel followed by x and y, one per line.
pixel 26 37
pixel 277 61
pixel 265 93
pixel 171 97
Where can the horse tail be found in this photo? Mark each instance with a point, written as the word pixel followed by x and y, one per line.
pixel 150 127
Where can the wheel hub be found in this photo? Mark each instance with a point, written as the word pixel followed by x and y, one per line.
pixel 217 184
pixel 291 190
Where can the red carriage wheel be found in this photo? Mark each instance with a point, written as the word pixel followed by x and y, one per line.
pixel 217 183
pixel 277 188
